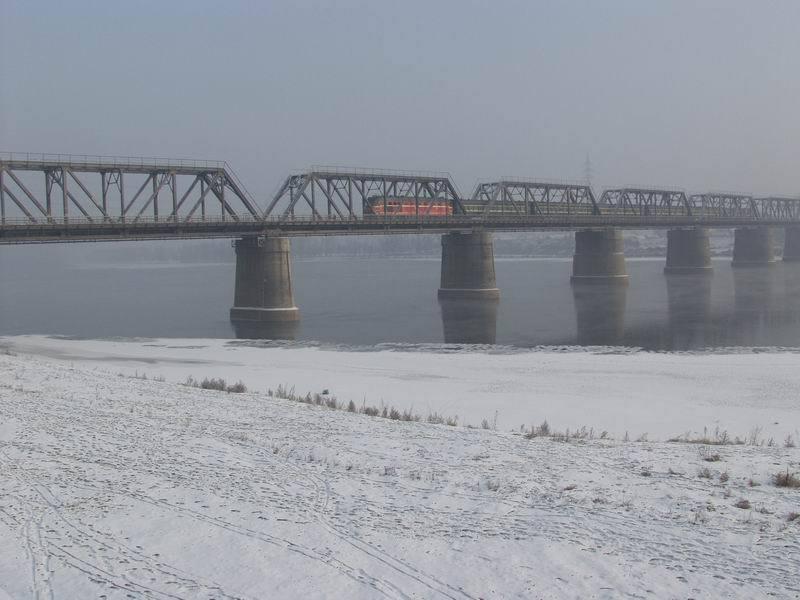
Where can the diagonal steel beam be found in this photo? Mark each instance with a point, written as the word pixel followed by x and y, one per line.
pixel 27 193
pixel 136 195
pixel 278 195
pixel 78 204
pixel 294 196
pixel 158 182
pixel 204 189
pixel 219 191
pixel 18 203
pixel 87 192
pixel 185 196
pixel 232 184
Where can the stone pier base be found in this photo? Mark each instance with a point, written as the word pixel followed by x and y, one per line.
pixel 263 281
pixel 752 247
pixel 468 266
pixel 599 257
pixel 688 252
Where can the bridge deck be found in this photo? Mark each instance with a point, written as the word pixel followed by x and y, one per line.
pixel 83 231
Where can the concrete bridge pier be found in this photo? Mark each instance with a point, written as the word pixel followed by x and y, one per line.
pixel 599 257
pixel 468 266
pixel 688 252
pixel 752 247
pixel 791 244
pixel 263 281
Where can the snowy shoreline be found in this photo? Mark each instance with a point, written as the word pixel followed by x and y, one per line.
pixel 118 487
pixel 662 395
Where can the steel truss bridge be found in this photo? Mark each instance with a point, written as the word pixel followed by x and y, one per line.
pixel 64 198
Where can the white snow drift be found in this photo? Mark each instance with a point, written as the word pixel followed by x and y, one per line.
pixel 115 487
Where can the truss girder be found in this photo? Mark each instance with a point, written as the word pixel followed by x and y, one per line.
pixel 645 202
pixel 777 208
pixel 745 207
pixel 348 196
pixel 51 191
pixel 55 197
pixel 533 198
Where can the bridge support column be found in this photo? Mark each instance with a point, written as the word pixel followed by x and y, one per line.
pixel 791 245
pixel 752 247
pixel 468 266
pixel 263 281
pixel 599 257
pixel 688 251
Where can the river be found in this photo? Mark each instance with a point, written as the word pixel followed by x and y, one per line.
pixel 363 302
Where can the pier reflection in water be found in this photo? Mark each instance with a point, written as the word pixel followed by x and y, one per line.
pixel 600 313
pixel 767 305
pixel 469 321
pixel 756 304
pixel 266 331
pixel 689 311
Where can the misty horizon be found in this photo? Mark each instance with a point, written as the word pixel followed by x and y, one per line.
pixel 678 95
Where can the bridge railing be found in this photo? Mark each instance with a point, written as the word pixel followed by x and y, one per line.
pixel 342 170
pixel 74 160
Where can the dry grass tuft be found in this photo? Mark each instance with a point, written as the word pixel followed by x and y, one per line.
pixel 786 479
pixel 217 384
pixel 236 388
pixel 708 456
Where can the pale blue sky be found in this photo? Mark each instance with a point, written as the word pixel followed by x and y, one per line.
pixel 694 94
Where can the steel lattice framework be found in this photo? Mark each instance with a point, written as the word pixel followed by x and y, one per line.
pixel 748 207
pixel 519 197
pixel 325 193
pixel 57 198
pixel 645 202
pixel 129 190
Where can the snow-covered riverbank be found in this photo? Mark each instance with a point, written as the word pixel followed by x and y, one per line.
pixel 116 487
pixel 661 395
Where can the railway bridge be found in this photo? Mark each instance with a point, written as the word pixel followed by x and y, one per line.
pixel 53 198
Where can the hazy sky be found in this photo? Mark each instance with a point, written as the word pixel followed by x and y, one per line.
pixel 693 94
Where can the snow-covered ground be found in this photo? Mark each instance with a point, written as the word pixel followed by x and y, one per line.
pixel 661 395
pixel 116 487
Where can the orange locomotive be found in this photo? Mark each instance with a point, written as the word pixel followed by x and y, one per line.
pixel 407 207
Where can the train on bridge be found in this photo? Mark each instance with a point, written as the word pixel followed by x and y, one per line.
pixel 406 207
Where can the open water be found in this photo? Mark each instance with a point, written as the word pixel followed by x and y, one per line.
pixel 363 302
